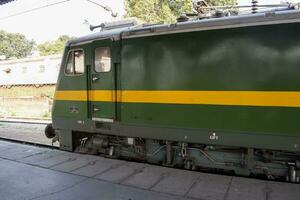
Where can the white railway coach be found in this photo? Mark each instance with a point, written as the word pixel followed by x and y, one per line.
pixel 35 71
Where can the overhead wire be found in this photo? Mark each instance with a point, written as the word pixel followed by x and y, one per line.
pixel 34 9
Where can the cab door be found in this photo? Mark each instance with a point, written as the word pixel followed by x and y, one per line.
pixel 102 82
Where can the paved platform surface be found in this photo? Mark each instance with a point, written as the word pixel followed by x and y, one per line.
pixel 34 173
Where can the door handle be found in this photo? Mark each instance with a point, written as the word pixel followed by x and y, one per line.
pixel 95 79
pixel 95 109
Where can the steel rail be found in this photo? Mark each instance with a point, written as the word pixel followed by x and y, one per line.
pixel 24 121
pixel 29 143
pixel 249 6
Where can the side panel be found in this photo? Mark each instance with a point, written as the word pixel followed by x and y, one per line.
pixel 250 59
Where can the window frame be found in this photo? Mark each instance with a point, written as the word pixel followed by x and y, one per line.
pixel 94 55
pixel 66 63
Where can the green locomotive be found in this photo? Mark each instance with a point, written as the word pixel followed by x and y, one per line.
pixel 220 94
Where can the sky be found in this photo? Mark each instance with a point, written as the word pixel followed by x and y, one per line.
pixel 51 22
pixel 67 17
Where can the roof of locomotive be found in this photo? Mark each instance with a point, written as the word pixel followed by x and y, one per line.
pixel 267 18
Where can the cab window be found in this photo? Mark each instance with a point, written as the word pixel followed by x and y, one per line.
pixel 102 59
pixel 75 62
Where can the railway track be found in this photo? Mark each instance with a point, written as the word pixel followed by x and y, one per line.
pixel 25 131
pixel 25 120
pixel 29 143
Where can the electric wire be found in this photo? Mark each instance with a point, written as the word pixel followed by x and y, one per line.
pixel 34 9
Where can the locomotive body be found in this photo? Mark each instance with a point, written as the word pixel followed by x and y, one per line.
pixel 220 94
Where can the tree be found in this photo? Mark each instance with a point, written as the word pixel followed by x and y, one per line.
pixel 53 47
pixel 15 45
pixel 164 11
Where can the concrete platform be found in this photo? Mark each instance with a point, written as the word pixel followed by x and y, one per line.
pixel 30 173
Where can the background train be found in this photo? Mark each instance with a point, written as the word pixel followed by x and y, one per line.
pixel 220 94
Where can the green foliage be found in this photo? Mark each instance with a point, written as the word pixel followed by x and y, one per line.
pixel 15 45
pixel 155 11
pixel 53 47
pixel 160 11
